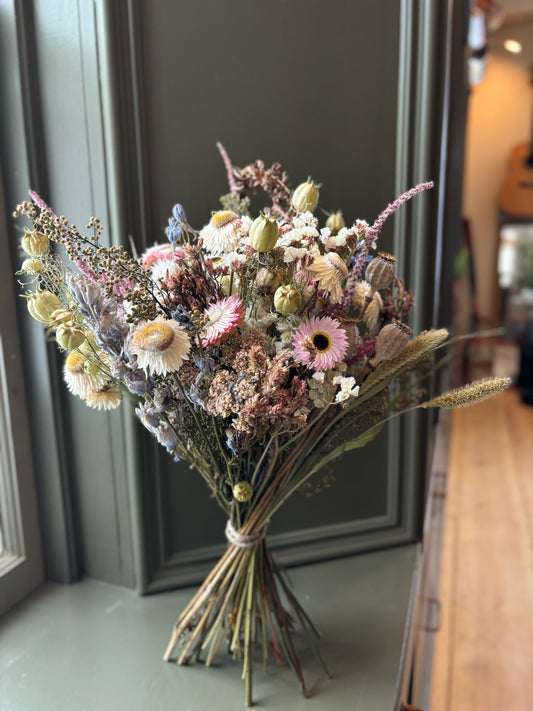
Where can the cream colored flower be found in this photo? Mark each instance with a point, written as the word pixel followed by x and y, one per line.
pixel 371 314
pixel 221 234
pixel 108 398
pixel 78 381
pixel 347 388
pixel 292 254
pixel 330 271
pixel 161 345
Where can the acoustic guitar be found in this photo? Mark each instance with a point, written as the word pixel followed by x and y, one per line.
pixel 516 194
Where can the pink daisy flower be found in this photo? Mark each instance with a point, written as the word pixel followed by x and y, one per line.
pixel 222 318
pixel 320 342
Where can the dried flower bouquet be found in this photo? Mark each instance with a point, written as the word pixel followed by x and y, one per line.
pixel 258 350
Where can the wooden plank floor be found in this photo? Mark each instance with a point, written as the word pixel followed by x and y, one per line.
pixel 484 649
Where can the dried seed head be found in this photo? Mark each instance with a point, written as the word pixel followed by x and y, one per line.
pixel 335 222
pixel 380 271
pixel 391 340
pixel 305 197
pixel 42 304
pixel 264 234
pixel 69 335
pixel 287 300
pixel 31 266
pixel 35 243
pixel 469 394
pixel 242 491
pixel 267 280
pixel 60 316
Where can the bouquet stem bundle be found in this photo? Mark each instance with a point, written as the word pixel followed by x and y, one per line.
pixel 241 601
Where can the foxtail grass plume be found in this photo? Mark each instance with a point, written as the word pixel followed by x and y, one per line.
pixel 469 394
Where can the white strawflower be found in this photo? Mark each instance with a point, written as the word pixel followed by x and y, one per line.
pixel 78 381
pixel 221 233
pixel 106 399
pixel 161 345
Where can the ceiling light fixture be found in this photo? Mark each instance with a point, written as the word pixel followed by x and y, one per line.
pixel 513 46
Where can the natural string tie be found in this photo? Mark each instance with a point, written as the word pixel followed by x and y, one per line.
pixel 242 540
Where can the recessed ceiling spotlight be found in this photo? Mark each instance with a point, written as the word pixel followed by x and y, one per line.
pixel 513 46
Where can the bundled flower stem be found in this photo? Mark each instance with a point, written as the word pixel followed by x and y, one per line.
pixel 258 351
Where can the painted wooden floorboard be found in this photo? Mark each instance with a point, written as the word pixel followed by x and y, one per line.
pixel 484 649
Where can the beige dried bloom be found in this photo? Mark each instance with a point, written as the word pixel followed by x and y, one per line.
pixel 469 394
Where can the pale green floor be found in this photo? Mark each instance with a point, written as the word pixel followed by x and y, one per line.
pixel 96 647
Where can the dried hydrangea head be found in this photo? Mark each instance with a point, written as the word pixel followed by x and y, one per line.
pixel 160 345
pixel 221 234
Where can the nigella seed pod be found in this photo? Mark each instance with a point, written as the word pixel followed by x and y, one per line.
pixel 391 340
pixel 267 280
pixel 287 300
pixel 242 491
pixel 305 197
pixel 35 243
pixel 42 304
pixel 264 233
pixel 31 266
pixel 335 222
pixel 380 271
pixel 69 335
pixel 59 316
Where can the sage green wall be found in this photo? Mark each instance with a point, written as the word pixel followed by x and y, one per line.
pixel 123 103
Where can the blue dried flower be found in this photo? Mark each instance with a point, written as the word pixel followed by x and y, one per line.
pixel 178 213
pixel 137 382
pixel 166 436
pixel 182 316
pixel 177 224
pixel 206 365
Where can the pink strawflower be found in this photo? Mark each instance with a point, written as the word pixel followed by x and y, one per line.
pixel 222 318
pixel 320 342
pixel 161 251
